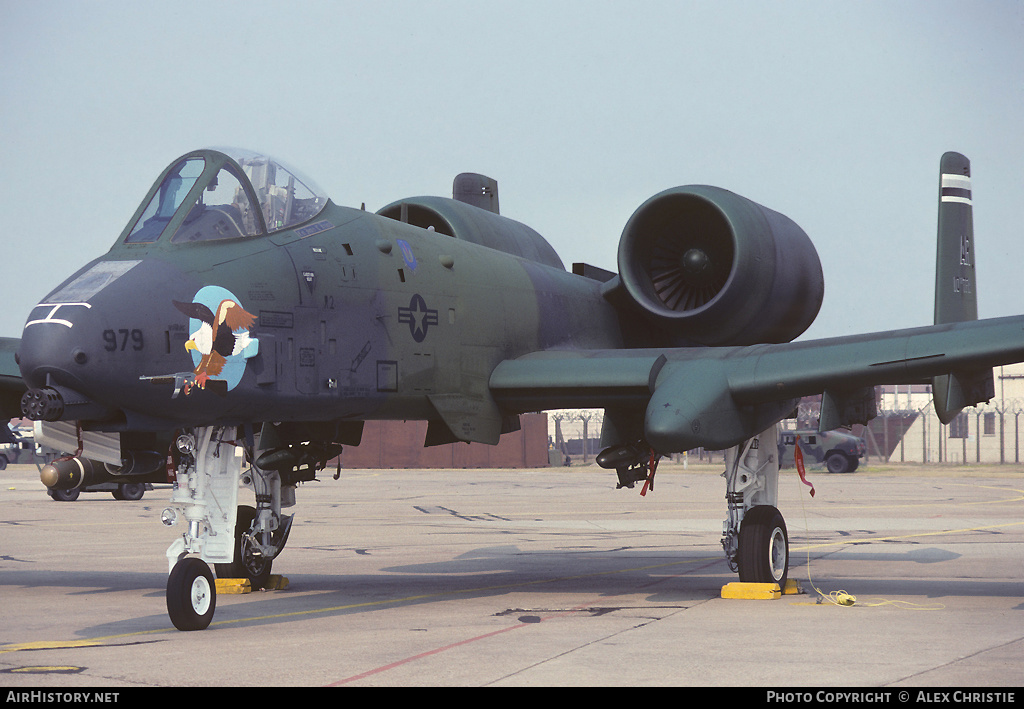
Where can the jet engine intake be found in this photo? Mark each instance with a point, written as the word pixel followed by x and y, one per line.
pixel 715 268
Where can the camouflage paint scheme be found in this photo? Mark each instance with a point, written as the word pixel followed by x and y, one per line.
pixel 465 318
pixel 242 309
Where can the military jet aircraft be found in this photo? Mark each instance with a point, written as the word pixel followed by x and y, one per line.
pixel 243 327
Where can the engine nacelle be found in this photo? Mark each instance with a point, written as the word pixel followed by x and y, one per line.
pixel 718 269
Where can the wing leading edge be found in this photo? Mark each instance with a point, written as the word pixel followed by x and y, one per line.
pixel 718 397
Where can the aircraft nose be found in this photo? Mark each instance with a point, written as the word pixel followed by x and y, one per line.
pixel 91 347
pixel 80 345
pixel 50 344
pixel 54 358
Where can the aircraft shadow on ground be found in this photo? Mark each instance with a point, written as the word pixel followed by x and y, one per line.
pixel 597 584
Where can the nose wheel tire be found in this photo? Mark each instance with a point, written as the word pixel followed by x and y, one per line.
pixel 763 554
pixel 191 594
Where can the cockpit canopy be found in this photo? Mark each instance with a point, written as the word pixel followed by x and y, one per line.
pixel 226 193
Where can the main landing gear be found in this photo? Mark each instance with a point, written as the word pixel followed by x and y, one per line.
pixel 754 537
pixel 239 541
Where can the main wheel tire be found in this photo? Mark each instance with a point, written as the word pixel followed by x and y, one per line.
pixel 130 491
pixel 191 594
pixel 763 555
pixel 837 463
pixel 245 564
pixel 64 495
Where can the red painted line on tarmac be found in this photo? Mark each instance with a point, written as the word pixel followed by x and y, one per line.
pixel 428 653
pixel 445 648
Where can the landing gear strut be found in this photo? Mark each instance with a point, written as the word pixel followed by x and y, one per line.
pixel 755 538
pixel 250 560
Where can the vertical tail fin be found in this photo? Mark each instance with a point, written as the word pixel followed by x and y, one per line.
pixel 956 287
pixel 956 296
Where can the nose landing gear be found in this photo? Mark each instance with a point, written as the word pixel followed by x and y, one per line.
pixel 239 541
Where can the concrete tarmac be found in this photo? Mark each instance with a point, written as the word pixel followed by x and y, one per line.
pixel 534 578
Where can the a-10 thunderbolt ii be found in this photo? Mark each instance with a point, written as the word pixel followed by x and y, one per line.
pixel 243 327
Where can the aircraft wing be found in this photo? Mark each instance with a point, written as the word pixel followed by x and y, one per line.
pixel 715 397
pixel 11 384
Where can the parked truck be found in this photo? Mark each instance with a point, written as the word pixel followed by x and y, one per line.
pixel 838 451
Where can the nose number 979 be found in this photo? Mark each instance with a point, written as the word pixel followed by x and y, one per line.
pixel 120 340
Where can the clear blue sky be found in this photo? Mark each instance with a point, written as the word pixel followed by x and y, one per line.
pixel 833 113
